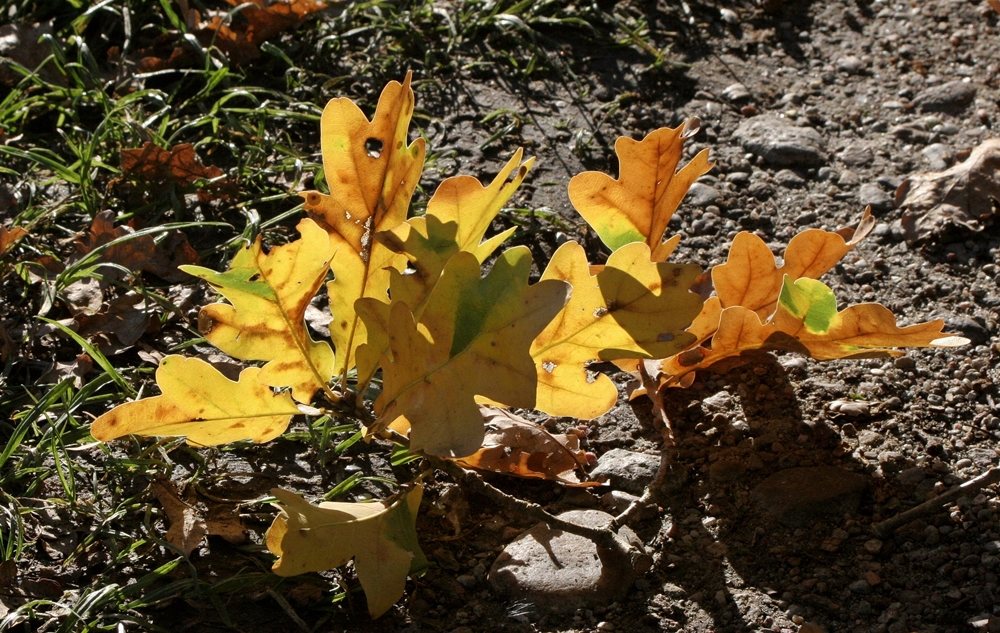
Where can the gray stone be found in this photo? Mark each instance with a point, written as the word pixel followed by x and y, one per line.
pixel 967 327
pixel 702 195
pixel 911 476
pixel 851 64
pixel 874 195
pixel 736 92
pixel 909 133
pixel 947 97
pixel 627 470
pixel 799 496
pixel 560 572
pixel 788 178
pixel 856 155
pixel 938 156
pixel 848 178
pixel 781 143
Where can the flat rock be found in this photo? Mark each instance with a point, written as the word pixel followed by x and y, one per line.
pixel 560 572
pixel 874 195
pixel 781 143
pixel 626 470
pixel 797 496
pixel 947 97
pixel 856 155
pixel 702 195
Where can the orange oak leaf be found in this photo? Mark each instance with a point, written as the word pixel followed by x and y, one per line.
pixel 638 206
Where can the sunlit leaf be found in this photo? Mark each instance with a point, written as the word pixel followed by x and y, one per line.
pixel 472 340
pixel 266 321
pixel 371 172
pixel 200 403
pixel 638 206
pixel 632 308
pixel 380 536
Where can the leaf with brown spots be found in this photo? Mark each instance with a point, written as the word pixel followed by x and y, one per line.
pixel 200 403
pixel 266 321
pixel 380 536
pixel 371 172
pixel 632 308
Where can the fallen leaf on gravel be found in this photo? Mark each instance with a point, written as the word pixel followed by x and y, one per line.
pixel 179 165
pixel 187 529
pixel 202 404
pixel 963 196
pixel 381 537
pixel 141 254
pixel 9 238
pixel 83 296
pixel 515 446
pixel 126 318
pixel 222 521
pixel 638 206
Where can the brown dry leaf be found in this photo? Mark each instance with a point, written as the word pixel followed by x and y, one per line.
pixel 240 38
pixel 187 529
pixel 9 238
pixel 142 254
pixel 78 368
pixel 995 4
pixel 961 197
pixel 179 165
pixel 125 318
pixel 515 446
pixel 223 521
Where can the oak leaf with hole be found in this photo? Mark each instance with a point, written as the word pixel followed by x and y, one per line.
pixel 200 403
pixel 266 321
pixel 638 205
pixel 381 537
pixel 371 172
pixel 472 339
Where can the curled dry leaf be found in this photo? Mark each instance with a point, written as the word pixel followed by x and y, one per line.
pixel 118 325
pixel 964 196
pixel 515 446
pixel 187 529
pixel 266 321
pixel 638 206
pixel 380 536
pixel 8 238
pixel 200 403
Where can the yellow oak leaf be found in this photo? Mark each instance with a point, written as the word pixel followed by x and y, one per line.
pixel 457 218
pixel 381 537
pixel 200 403
pixel 472 340
pixel 632 308
pixel 807 321
pixel 752 279
pixel 371 172
pixel 266 321
pixel 638 206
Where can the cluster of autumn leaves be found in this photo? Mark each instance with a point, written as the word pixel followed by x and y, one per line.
pixel 408 297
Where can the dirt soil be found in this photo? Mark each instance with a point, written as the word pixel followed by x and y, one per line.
pixel 918 425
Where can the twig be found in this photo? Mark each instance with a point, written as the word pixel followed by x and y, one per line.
pixel 604 538
pixel 652 492
pixel 930 506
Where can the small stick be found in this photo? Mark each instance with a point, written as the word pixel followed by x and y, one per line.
pixel 652 491
pixel 930 506
pixel 604 538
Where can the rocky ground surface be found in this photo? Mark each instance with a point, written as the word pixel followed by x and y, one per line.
pixel 812 111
